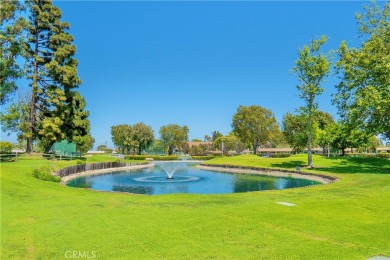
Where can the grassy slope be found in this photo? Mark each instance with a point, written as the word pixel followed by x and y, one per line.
pixel 345 220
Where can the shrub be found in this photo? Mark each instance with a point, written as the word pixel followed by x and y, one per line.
pixel 383 155
pixel 6 147
pixel 154 157
pixel 203 157
pixel 80 162
pixel 276 155
pixel 280 155
pixel 45 174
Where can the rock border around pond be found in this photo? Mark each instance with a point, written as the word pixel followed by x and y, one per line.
pixel 324 179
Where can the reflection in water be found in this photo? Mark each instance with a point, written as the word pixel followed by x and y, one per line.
pixel 133 189
pixel 193 180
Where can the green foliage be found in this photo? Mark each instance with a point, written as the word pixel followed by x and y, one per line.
pixel 174 136
pixel 343 135
pixel 12 25
pixel 45 174
pixel 203 157
pixel 84 143
pixel 254 125
pixel 154 157
pixel 230 142
pixel 370 155
pixel 137 137
pixel 57 110
pixel 363 94
pixel 312 67
pixel 295 131
pixel 80 162
pixel 279 155
pixel 5 147
pixel 383 155
pixel 16 118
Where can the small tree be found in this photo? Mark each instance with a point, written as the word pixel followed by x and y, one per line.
pixel 174 136
pixel 254 125
pixel 311 67
pixel 5 147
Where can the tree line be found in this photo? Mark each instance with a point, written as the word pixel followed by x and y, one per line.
pixel 53 109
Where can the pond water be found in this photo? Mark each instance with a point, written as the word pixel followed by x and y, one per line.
pixel 168 178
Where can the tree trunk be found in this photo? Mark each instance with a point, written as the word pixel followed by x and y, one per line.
pixel 34 87
pixel 47 148
pixel 254 147
pixel 309 153
pixel 309 135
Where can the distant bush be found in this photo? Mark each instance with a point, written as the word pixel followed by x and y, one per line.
pixel 154 157
pixel 277 155
pixel 106 150
pixel 45 174
pixel 280 155
pixel 5 147
pixel 217 153
pixel 370 155
pixel 383 155
pixel 202 157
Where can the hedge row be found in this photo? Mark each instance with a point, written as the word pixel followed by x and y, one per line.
pixel 154 157
pixel 276 155
pixel 370 155
pixel 203 157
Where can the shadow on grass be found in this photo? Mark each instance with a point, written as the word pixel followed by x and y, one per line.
pixel 289 164
pixel 346 165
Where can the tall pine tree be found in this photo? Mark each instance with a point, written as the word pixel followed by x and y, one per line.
pixel 57 111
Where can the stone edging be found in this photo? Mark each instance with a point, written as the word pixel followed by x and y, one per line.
pixel 325 179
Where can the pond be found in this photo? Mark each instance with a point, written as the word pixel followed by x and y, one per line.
pixel 183 177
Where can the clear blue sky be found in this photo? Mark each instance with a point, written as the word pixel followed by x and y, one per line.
pixel 194 63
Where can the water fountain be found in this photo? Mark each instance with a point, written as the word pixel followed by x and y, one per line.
pixel 170 168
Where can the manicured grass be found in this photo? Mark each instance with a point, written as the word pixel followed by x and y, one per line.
pixel 348 219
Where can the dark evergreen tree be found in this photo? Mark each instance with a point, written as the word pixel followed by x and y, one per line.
pixel 57 111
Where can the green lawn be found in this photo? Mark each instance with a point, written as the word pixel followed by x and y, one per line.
pixel 348 219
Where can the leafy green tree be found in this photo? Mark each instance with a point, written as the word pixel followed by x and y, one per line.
pixel 52 70
pixel 5 147
pixel 230 142
pixel 132 137
pixel 344 135
pixel 117 137
pixel 16 118
pixel 143 135
pixel 84 143
pixel 254 125
pixel 363 94
pixel 12 25
pixel 295 131
pixel 174 136
pixel 311 67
